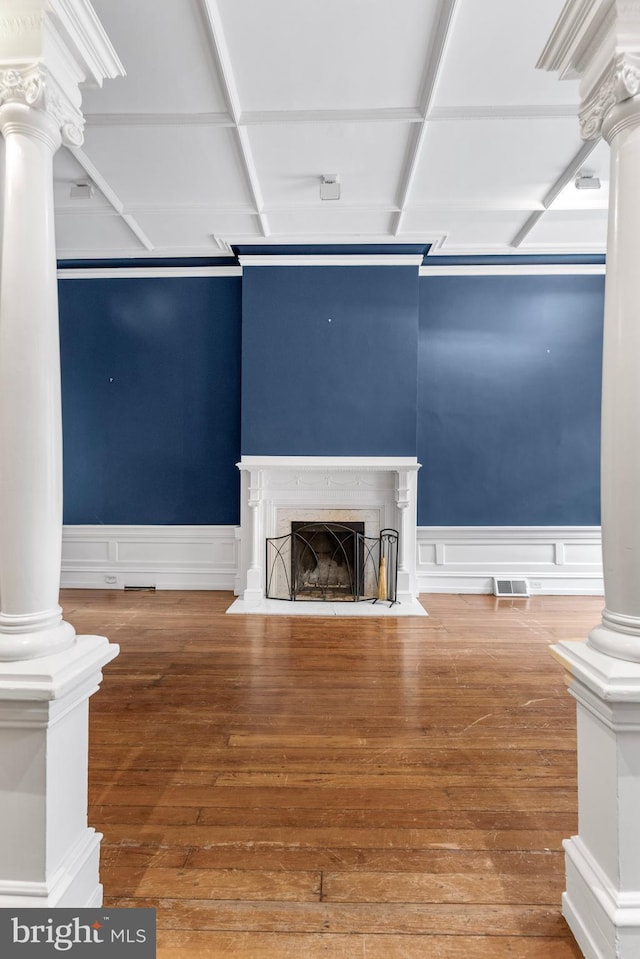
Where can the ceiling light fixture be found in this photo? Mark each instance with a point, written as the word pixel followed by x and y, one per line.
pixel 587 181
pixel 83 190
pixel 330 186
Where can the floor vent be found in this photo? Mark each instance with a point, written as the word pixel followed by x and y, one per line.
pixel 141 589
pixel 510 587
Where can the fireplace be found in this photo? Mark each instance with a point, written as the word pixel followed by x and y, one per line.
pixel 278 491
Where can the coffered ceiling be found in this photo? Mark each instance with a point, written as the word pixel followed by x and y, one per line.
pixel 431 112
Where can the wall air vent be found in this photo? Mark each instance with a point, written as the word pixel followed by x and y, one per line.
pixel 510 587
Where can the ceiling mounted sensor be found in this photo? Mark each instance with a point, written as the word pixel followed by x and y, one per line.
pixel 586 181
pixel 329 186
pixel 83 190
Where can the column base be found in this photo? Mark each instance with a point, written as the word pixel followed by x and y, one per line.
pixel 254 592
pixel 404 592
pixel 50 856
pixel 75 885
pixel 605 923
pixel 17 646
pixel 602 899
pixel 611 642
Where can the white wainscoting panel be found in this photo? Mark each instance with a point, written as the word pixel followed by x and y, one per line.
pixel 464 559
pixel 167 557
pixel 450 559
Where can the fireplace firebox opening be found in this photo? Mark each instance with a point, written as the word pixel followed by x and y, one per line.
pixel 332 562
pixel 327 560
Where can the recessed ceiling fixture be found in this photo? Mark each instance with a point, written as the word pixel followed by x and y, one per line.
pixel 83 190
pixel 586 181
pixel 329 186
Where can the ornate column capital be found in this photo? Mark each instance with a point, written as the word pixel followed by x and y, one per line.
pixel 598 42
pixel 620 82
pixel 34 86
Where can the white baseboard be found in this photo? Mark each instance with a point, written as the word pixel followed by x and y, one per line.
pixel 167 557
pixel 565 560
pixel 450 559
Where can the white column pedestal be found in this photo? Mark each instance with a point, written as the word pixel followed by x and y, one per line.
pixel 50 855
pixel 602 899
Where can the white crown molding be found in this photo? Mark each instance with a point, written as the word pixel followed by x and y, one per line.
pixel 88 38
pixel 372 259
pixel 515 269
pixel 146 272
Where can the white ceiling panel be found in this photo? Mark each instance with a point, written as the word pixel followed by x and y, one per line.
pixel 66 173
pixel 166 165
pixel 465 231
pixel 431 112
pixel 338 54
pixel 164 48
pixel 595 167
pixel 97 235
pixel 569 230
pixel 195 230
pixel 509 162
pixel 492 53
pixel 331 223
pixel 368 157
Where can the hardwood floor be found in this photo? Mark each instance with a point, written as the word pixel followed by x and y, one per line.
pixel 283 787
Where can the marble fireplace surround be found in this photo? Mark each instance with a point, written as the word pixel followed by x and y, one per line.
pixel 276 490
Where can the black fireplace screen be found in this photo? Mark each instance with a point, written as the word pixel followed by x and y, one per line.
pixel 332 562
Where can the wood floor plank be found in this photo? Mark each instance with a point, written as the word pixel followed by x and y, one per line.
pixel 362 838
pixel 442 887
pixel 282 787
pixel 225 945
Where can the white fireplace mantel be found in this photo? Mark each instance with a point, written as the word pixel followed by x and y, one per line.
pixel 276 490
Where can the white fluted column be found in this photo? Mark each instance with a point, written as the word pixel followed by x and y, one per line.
pixel 619 633
pixel 49 853
pixel 599 40
pixel 31 622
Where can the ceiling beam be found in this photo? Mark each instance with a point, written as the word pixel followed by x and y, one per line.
pixel 568 174
pixel 222 61
pixel 435 59
pixel 96 177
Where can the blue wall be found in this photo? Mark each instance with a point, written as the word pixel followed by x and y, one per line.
pixel 493 382
pixel 509 400
pixel 329 361
pixel 151 400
